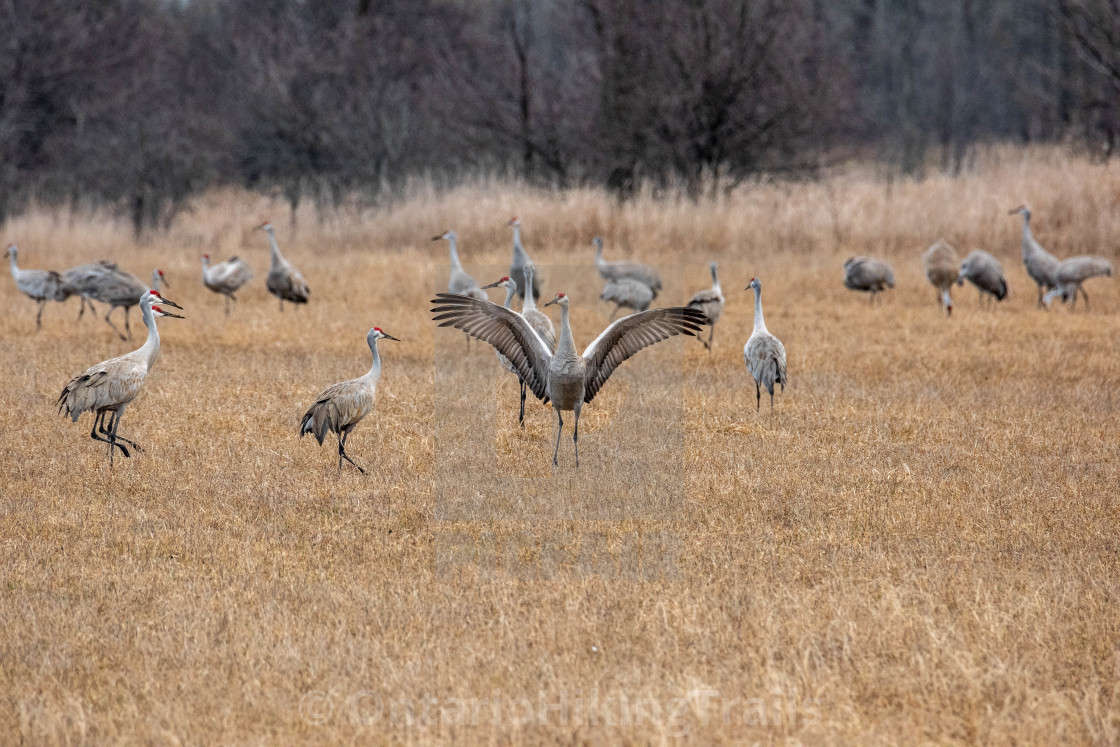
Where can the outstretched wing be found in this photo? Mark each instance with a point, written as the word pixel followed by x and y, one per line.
pixel 630 334
pixel 506 330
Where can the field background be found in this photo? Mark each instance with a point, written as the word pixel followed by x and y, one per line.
pixel 919 544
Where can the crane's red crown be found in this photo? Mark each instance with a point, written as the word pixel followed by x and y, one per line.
pixel 504 278
pixel 206 256
pixel 561 295
pixel 377 329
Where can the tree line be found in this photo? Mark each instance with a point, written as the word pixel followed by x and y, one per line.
pixel 139 104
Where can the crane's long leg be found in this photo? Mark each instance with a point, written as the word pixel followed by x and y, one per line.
pixel 1040 295
pixel 111 325
pixel 559 430
pixel 342 452
pixel 133 444
pixel 111 431
pixel 711 336
pixel 758 396
pixel 575 433
pixel 521 418
pixel 227 304
pixel 127 328
pixel 39 316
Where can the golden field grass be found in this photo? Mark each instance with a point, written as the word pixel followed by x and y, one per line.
pixel 918 545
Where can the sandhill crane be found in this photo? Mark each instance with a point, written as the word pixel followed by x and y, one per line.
pixel 627 292
pixel 566 378
pixel 1072 272
pixel 764 354
pixel 618 270
pixel 538 320
pixel 868 275
pixel 520 261
pixel 226 277
pixel 38 285
pixel 710 301
pixel 459 282
pixel 106 282
pixel 985 272
pixel 339 408
pixel 942 265
pixel 511 291
pixel 1040 264
pixel 159 280
pixel 110 387
pixel 284 280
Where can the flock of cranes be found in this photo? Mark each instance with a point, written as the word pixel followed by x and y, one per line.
pixel 1055 278
pixel 524 341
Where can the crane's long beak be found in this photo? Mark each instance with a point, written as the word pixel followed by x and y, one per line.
pixel 492 285
pixel 168 313
pixel 437 238
pixel 388 336
pixel 166 302
pixel 551 302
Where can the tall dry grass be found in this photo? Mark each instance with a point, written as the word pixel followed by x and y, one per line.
pixel 919 544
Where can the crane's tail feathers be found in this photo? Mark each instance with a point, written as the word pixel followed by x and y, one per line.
pixel 316 421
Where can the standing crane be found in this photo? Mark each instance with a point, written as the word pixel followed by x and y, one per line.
pixel 538 320
pixel 942 265
pixel 111 285
pixel 1041 265
pixel 628 293
pixel 764 354
pixel 520 261
pixel 459 282
pixel 710 301
pixel 618 270
pixel 985 272
pixel 1072 272
pixel 511 291
pixel 867 275
pixel 568 379
pixel 110 387
pixel 226 277
pixel 84 279
pixel 158 280
pixel 339 408
pixel 38 285
pixel 284 280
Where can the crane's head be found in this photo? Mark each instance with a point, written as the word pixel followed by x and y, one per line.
pixel 153 297
pixel 11 251
pixel 266 227
pixel 205 259
pixel 559 298
pixel 379 334
pixel 505 282
pixel 754 285
pixel 597 242
pixel 514 221
pixel 162 278
pixel 1022 209
pixel 448 234
pixel 157 311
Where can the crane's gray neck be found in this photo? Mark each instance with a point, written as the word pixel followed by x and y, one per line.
pixel 375 367
pixel 510 293
pixel 155 280
pixel 528 304
pixel 150 348
pixel 12 263
pixel 276 256
pixel 566 346
pixel 598 251
pixel 759 323
pixel 454 252
pixel 1028 237
pixel 519 254
pixel 715 281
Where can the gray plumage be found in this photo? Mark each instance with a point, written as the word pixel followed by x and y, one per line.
pixel 338 409
pixel 764 353
pixel 942 266
pixel 226 277
pixel 614 271
pixel 1040 264
pixel 1072 272
pixel 110 386
pixel 709 301
pixel 627 293
pixel 985 272
pixel 537 319
pixel 104 281
pixel 511 291
pixel 566 378
pixel 520 261
pixel 159 280
pixel 868 275
pixel 459 282
pixel 284 280
pixel 38 285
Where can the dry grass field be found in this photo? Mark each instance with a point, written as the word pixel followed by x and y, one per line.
pixel 920 544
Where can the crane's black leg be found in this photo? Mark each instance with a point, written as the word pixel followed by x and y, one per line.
pixel 1085 296
pixel 771 399
pixel 521 419
pixel 343 455
pixel 111 325
pixel 575 436
pixel 758 396
pixel 135 446
pixel 39 316
pixel 100 421
pixel 711 336
pixel 227 304
pixel 127 328
pixel 559 430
